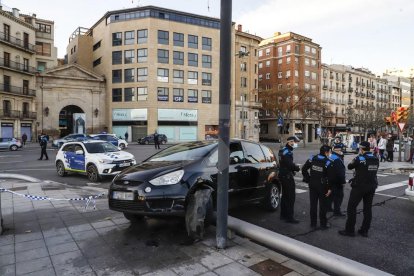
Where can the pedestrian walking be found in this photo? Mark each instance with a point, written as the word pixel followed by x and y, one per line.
pixel 390 148
pixel 382 147
pixel 126 136
pixel 337 181
pixel 43 145
pixel 286 173
pixel 24 139
pixel 363 186
pixel 156 140
pixel 319 185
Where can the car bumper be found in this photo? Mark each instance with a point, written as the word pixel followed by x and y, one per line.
pixel 111 169
pixel 410 194
pixel 158 202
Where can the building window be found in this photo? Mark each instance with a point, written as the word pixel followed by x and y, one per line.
pixel 280 61
pixel 296 60
pixel 162 94
pixel 192 59
pixel 43 28
pixel 307 87
pixel 163 56
pixel 178 95
pixel 129 94
pixel 142 55
pixel 279 51
pixel 129 56
pixel 179 39
pixel 313 63
pixel 116 76
pixel 178 76
pixel 260 53
pixel 26 108
pixel 206 96
pixel 243 66
pixel 296 73
pixel 260 65
pixel 307 63
pixel 287 49
pixel 129 75
pixel 43 49
pixel 117 95
pixel 260 77
pixel 268 76
pixel 193 41
pixel 314 51
pixel 142 74
pixel 314 76
pixel 192 77
pixel 25 87
pixel 41 66
pixel 116 39
pixel 287 73
pixel 206 79
pixel 207 43
pixel 243 82
pixel 162 75
pixel 268 52
pixel 142 36
pixel 267 63
pixel 163 37
pixel 129 38
pixel 142 93
pixel 116 57
pixel 97 45
pixel 192 96
pixel 307 74
pixel 206 61
pixel 287 60
pixel 279 75
pixel 307 49
pixel 178 58
pixel 26 64
pixel 280 87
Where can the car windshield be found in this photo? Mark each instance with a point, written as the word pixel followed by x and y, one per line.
pixel 186 151
pixel 100 147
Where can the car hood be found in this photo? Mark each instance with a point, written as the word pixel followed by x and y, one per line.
pixel 118 155
pixel 149 170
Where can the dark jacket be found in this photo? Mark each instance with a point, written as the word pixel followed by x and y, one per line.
pixel 366 167
pixel 337 173
pixel 287 166
pixel 318 165
pixel 43 143
pixel 390 145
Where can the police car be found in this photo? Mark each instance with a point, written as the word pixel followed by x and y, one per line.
pixel 92 157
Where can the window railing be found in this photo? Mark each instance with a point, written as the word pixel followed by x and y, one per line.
pixel 17 42
pixel 17 66
pixel 8 113
pixel 17 90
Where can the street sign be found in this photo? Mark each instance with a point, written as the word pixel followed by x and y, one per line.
pixel 401 126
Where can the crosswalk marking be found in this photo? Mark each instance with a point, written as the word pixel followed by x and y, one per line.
pixel 300 191
pixel 391 186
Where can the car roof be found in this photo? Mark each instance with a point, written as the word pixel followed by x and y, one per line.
pixel 86 142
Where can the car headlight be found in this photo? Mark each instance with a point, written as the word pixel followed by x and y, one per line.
pixel 106 161
pixel 168 179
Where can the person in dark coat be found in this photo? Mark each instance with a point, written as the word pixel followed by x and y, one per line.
pixel 43 145
pixel 363 186
pixel 286 173
pixel 24 139
pixel 126 136
pixel 156 140
pixel 319 185
pixel 390 148
pixel 337 176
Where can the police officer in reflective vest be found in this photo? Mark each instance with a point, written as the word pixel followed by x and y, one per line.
pixel 337 174
pixel 363 186
pixel 319 187
pixel 286 173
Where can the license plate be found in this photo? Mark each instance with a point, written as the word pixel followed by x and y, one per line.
pixel 123 164
pixel 123 195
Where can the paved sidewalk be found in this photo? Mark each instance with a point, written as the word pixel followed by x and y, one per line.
pixel 61 238
pixel 396 166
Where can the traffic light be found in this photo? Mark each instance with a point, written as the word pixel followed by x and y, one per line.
pixel 402 114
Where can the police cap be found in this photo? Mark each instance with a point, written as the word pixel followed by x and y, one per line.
pixel 293 138
pixel 365 145
pixel 324 149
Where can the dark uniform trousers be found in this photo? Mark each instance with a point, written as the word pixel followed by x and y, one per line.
pixel 317 194
pixel 358 194
pixel 337 197
pixel 288 196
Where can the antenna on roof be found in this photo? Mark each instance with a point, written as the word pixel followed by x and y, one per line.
pixel 208 5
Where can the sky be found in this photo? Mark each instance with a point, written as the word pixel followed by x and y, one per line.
pixel 374 34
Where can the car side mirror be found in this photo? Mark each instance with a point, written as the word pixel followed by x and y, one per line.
pixel 79 152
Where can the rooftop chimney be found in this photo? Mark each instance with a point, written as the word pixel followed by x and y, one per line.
pixel 240 27
pixel 16 12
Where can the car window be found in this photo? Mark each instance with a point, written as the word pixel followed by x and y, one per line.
pixel 78 147
pixel 269 155
pixel 100 147
pixel 68 148
pixel 254 153
pixel 236 150
pixel 185 151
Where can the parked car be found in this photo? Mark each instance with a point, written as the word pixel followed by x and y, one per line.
pixel 69 138
pixel 162 184
pixel 111 138
pixel 10 143
pixel 149 139
pixel 409 192
pixel 93 158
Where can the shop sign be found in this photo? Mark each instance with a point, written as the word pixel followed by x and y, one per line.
pixel 177 115
pixel 129 114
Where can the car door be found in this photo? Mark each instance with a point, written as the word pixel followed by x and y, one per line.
pixel 68 153
pixel 113 140
pixel 3 143
pixel 270 168
pixel 76 162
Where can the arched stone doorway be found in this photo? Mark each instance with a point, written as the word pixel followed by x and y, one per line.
pixel 66 119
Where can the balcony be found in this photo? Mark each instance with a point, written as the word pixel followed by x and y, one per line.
pixel 358 83
pixel 350 79
pixel 343 90
pixel 17 42
pixel 17 114
pixel 357 94
pixel 332 101
pixel 20 67
pixel 363 84
pixel 331 88
pixel 43 35
pixel 337 89
pixel 21 91
pixel 362 95
pixel 343 79
pixel 350 89
pixel 325 87
pixel 350 101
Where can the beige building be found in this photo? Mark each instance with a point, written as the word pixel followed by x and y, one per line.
pixel 402 72
pixel 246 123
pixel 161 67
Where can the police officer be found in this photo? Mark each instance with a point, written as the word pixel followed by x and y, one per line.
pixel 43 145
pixel 319 187
pixel 363 186
pixel 286 173
pixel 337 176
pixel 338 143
